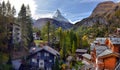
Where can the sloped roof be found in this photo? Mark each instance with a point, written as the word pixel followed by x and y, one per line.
pixel 81 50
pixel 101 40
pixel 85 62
pixel 51 50
pixel 88 56
pixel 92 46
pixel 99 48
pixel 47 48
pixel 106 52
pixel 113 40
pixel 35 49
pixel 118 66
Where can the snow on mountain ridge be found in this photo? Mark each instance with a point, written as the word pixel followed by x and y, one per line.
pixel 58 16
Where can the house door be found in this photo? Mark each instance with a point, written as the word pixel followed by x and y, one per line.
pixel 41 64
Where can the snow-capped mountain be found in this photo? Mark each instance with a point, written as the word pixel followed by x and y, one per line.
pixel 58 16
pixel 57 20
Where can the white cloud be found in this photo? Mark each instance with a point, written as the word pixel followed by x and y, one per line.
pixel 17 4
pixel 118 1
pixel 47 15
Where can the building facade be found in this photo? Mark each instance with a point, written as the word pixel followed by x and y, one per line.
pixel 43 57
pixel 13 35
pixel 16 33
pixel 105 53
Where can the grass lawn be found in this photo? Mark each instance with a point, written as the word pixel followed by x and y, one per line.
pixel 37 42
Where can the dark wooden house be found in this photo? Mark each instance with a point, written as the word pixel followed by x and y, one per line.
pixel 43 57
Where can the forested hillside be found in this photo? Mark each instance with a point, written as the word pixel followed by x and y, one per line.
pixel 100 24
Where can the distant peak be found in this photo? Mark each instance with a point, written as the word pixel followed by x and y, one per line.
pixel 106 2
pixel 59 16
pixel 57 13
pixel 103 7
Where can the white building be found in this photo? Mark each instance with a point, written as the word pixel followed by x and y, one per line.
pixel 35 36
pixel 16 33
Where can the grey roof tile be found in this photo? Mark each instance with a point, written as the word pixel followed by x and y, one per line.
pixel 47 48
pixel 106 52
pixel 81 50
pixel 87 56
pixel 113 40
pixel 51 50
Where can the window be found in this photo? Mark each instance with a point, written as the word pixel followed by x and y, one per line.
pixel 48 68
pixel 50 60
pixel 39 54
pixel 34 60
pixel 46 54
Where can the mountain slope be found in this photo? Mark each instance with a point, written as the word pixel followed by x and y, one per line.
pixel 102 8
pixel 104 20
pixel 58 16
pixel 57 20
pixel 42 21
pixel 104 13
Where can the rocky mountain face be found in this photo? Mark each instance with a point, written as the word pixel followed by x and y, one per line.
pixel 58 16
pixel 42 21
pixel 105 13
pixel 91 21
pixel 57 20
pixel 102 8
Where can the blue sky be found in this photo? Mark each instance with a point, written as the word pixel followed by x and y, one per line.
pixel 74 10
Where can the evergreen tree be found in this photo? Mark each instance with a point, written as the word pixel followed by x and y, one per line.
pixel 22 21
pixel 56 65
pixel 0 9
pixel 3 9
pixel 24 17
pixel 29 26
pixel 5 20
pixel 73 48
pixel 13 11
pixel 48 30
pixel 3 27
pixel 8 9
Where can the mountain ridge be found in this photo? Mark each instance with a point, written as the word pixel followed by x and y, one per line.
pixel 103 21
pixel 57 20
pixel 103 13
pixel 58 16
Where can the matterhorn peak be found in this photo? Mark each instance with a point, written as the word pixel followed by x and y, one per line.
pixel 57 13
pixel 58 16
